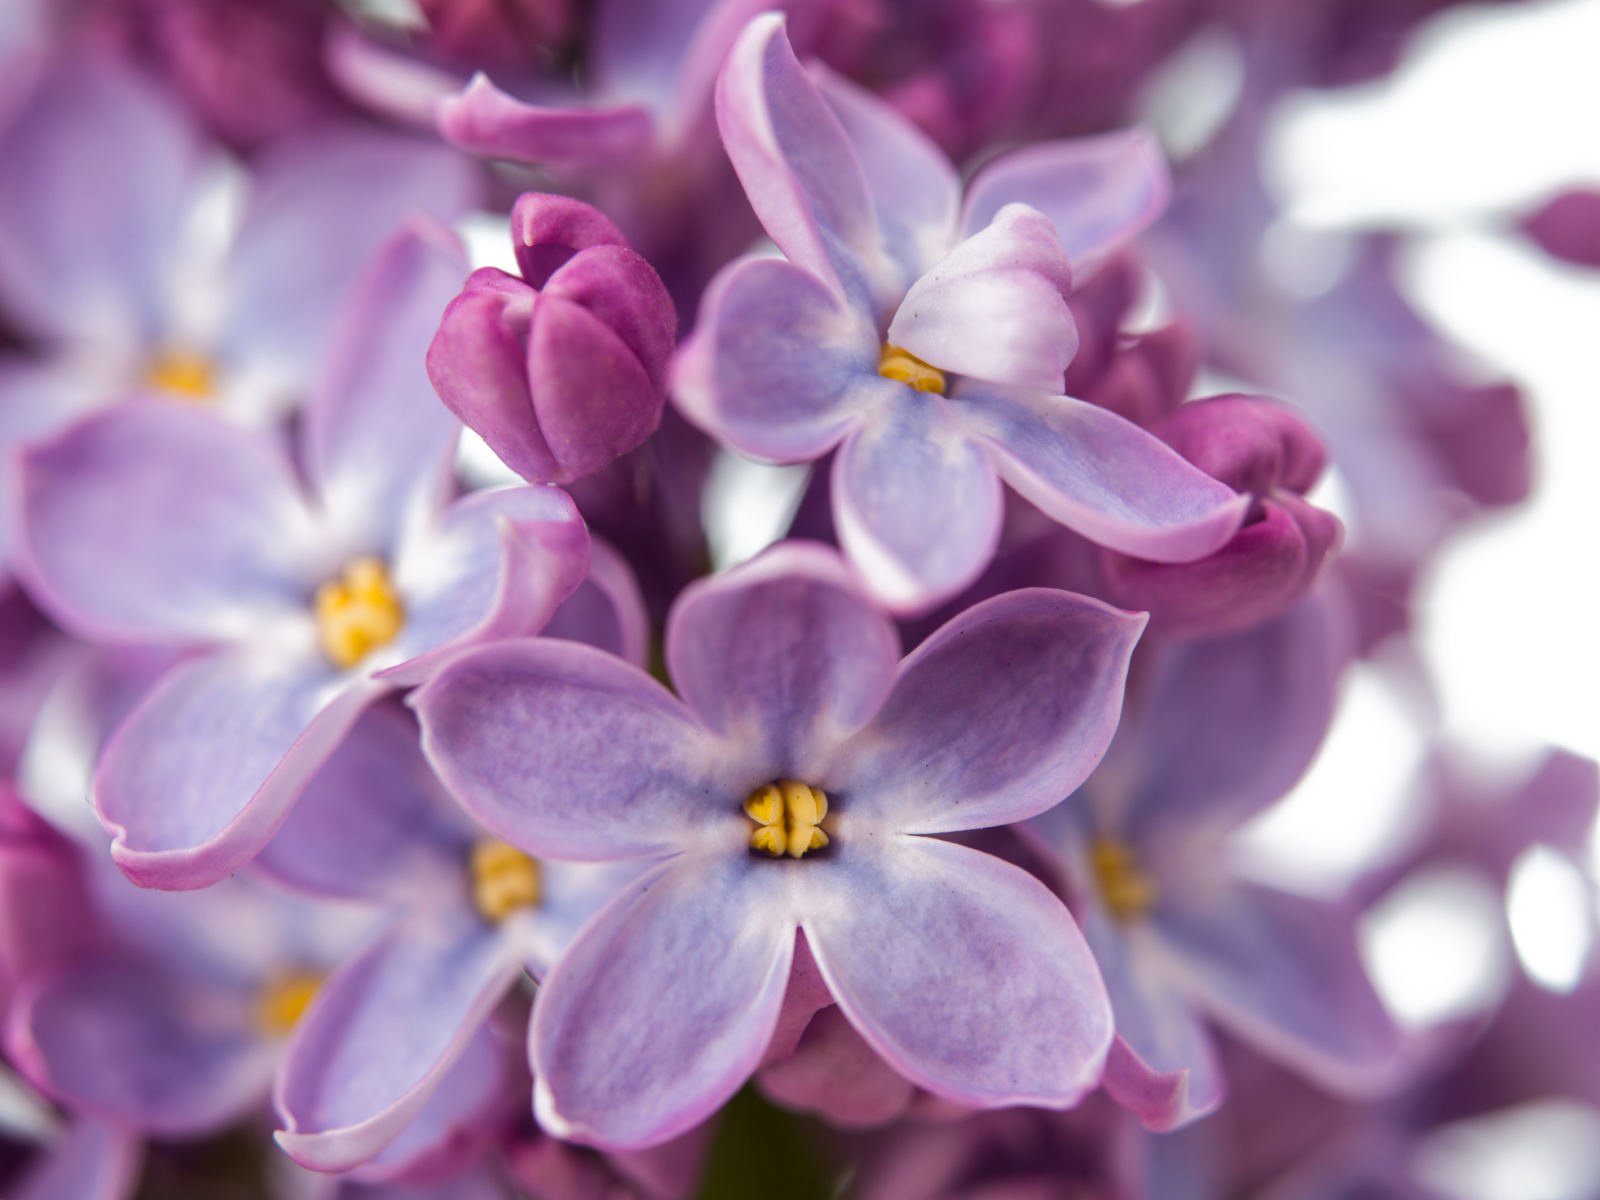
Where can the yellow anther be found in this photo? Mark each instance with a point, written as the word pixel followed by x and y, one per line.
pixel 284 1001
pixel 907 368
pixel 504 879
pixel 358 614
pixel 1127 892
pixel 182 374
pixel 789 814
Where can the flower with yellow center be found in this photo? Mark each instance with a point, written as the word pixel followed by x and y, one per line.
pixel 358 613
pixel 284 1001
pixel 504 879
pixel 788 815
pixel 1127 892
pixel 905 367
pixel 182 374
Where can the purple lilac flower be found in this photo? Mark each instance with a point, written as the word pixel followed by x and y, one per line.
pixel 309 599
pixel 927 343
pixel 1144 855
pixel 791 789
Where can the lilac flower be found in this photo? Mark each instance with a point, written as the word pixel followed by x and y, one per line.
pixel 464 916
pixel 790 790
pixel 1224 728
pixel 309 599
pixel 928 345
pixel 562 370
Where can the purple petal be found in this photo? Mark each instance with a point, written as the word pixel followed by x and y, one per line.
pixel 203 771
pixel 835 1074
pixel 1100 192
pixel 964 972
pixel 220 540
pixel 779 366
pixel 997 716
pixel 548 230
pixel 570 753
pixel 1103 476
pixel 916 503
pixel 384 1031
pixel 607 609
pixel 377 440
pixel 486 121
pixel 664 1005
pixel 995 307
pixel 117 1039
pixel 93 1160
pixel 783 655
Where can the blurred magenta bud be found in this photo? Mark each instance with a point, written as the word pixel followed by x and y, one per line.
pixel 1568 227
pixel 563 370
pixel 1256 446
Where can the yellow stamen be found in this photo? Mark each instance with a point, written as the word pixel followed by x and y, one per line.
pixel 284 1001
pixel 789 815
pixel 1127 892
pixel 907 368
pixel 358 614
pixel 504 879
pixel 183 374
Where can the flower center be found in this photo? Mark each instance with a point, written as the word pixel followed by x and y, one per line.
pixel 1127 891
pixel 358 613
pixel 895 363
pixel 284 1001
pixel 504 879
pixel 788 815
pixel 182 374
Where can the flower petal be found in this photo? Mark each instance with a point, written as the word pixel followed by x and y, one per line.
pixel 1102 476
pixel 835 1074
pixel 607 609
pixel 384 1031
pixel 997 716
pixel 206 767
pixel 1099 192
pixel 964 972
pixel 783 654
pixel 570 753
pixel 664 1004
pixel 916 503
pixel 995 307
pixel 93 1160
pixel 486 121
pixel 778 366
pixel 218 546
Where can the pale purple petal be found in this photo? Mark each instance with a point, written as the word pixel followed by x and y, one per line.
pixel 202 772
pixel 837 1075
pixel 570 753
pixel 153 522
pixel 607 609
pixel 779 366
pixel 377 440
pixel 642 49
pixel 487 121
pixel 1099 192
pixel 997 716
pixel 93 1160
pixel 383 1032
pixel 916 503
pixel 783 655
pixel 995 307
pixel 665 1003
pixel 1101 475
pixel 963 971
pixel 115 1038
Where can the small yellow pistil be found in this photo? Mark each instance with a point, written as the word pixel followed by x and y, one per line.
pixel 183 375
pixel 358 614
pixel 284 1001
pixel 1128 893
pixel 789 815
pixel 504 879
pixel 895 363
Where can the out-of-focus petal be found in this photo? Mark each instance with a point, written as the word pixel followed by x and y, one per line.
pixel 607 609
pixel 93 1160
pixel 487 121
pixel 837 1075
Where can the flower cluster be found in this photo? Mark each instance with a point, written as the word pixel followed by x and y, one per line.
pixel 404 793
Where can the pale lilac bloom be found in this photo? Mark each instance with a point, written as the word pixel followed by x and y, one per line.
pixel 1220 730
pixel 959 969
pixel 925 339
pixel 394 1023
pixel 310 597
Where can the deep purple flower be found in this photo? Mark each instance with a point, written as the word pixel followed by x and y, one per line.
pixel 310 598
pixel 926 341
pixel 565 369
pixel 1220 730
pixel 790 790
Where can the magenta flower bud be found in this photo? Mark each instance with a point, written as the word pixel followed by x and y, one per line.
pixel 562 370
pixel 1263 449
pixel 1568 227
